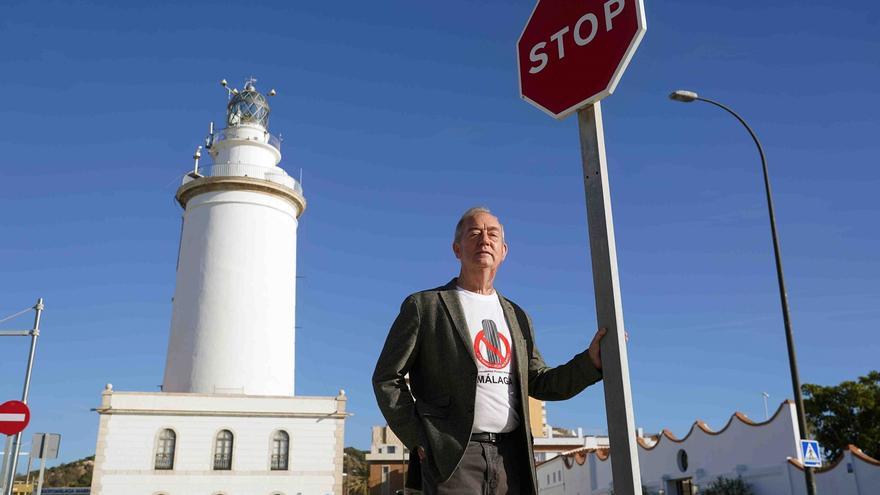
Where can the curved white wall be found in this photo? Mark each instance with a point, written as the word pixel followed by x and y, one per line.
pixel 245 144
pixel 232 325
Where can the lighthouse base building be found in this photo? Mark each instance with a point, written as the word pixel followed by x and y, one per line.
pixel 227 421
pixel 170 443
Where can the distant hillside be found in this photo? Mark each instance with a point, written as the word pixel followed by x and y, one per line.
pixel 354 465
pixel 73 474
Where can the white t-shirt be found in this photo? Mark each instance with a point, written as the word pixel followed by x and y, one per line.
pixel 495 406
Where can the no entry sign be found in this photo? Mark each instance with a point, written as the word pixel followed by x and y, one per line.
pixel 573 52
pixel 14 417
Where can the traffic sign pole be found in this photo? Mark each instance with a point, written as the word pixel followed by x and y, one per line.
pixel 42 473
pixel 570 55
pixel 6 450
pixel 16 442
pixel 609 311
pixel 46 446
pixel 42 455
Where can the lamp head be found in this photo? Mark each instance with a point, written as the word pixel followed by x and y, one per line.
pixel 683 96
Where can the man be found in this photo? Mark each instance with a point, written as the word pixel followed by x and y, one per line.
pixel 472 363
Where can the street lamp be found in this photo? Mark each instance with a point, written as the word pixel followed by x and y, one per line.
pixel 687 97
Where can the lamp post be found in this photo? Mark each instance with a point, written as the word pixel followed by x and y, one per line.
pixel 689 96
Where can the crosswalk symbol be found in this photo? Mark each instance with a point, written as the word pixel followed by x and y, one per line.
pixel 810 453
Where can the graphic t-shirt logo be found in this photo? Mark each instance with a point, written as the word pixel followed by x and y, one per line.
pixel 491 347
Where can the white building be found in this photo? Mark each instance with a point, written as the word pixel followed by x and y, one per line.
pixel 560 440
pixel 550 441
pixel 227 420
pixel 764 454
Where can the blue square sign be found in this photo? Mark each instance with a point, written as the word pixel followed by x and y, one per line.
pixel 810 453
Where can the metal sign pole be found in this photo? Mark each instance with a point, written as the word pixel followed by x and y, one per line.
pixel 16 442
pixel 41 453
pixel 42 472
pixel 27 473
pixel 6 453
pixel 609 312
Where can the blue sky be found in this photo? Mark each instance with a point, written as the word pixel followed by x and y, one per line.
pixel 403 114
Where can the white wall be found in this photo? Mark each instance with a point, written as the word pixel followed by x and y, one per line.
pixel 867 475
pixel 853 474
pixel 233 316
pixel 759 452
pixel 245 144
pixel 551 477
pixel 131 422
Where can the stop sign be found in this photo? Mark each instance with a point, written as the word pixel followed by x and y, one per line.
pixel 572 52
pixel 14 417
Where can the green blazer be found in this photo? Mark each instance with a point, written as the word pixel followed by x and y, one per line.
pixel 430 341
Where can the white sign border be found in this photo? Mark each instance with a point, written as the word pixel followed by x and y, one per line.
pixel 615 78
pixel 805 445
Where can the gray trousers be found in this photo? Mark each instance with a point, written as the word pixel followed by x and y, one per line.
pixel 485 469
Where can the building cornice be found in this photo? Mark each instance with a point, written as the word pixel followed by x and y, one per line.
pixel 231 414
pixel 702 426
pixel 852 449
pixel 234 183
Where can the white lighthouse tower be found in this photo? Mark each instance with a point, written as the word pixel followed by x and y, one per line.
pixel 232 326
pixel 226 420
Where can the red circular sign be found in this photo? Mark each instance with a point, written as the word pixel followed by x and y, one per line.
pixel 494 357
pixel 14 417
pixel 572 52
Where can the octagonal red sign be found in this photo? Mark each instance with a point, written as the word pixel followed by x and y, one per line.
pixel 14 417
pixel 573 52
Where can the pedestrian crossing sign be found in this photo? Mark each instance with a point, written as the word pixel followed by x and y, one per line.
pixel 810 453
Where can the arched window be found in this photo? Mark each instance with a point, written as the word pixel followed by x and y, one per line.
pixel 280 450
pixel 165 449
pixel 223 451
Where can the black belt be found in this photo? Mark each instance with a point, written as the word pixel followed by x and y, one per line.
pixel 486 437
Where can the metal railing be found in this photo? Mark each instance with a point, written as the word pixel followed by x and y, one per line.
pixel 164 461
pixel 279 462
pixel 275 141
pixel 222 462
pixel 221 135
pixel 271 174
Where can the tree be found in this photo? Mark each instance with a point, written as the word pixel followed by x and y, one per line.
pixel 727 486
pixel 844 414
pixel 357 472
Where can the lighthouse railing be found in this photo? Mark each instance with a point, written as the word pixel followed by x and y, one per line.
pixel 224 135
pixel 271 174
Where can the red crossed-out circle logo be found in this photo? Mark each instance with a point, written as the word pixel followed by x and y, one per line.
pixel 491 347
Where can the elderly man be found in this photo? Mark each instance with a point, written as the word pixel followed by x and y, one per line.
pixel 472 362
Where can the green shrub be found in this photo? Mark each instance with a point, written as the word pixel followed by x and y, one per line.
pixel 727 486
pixel 645 491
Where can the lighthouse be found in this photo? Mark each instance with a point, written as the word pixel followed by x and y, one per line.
pixel 233 315
pixel 226 419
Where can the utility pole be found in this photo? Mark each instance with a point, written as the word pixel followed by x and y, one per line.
pixel 14 449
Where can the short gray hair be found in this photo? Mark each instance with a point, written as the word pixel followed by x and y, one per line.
pixel 471 212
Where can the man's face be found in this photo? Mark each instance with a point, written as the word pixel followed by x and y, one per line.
pixel 482 242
